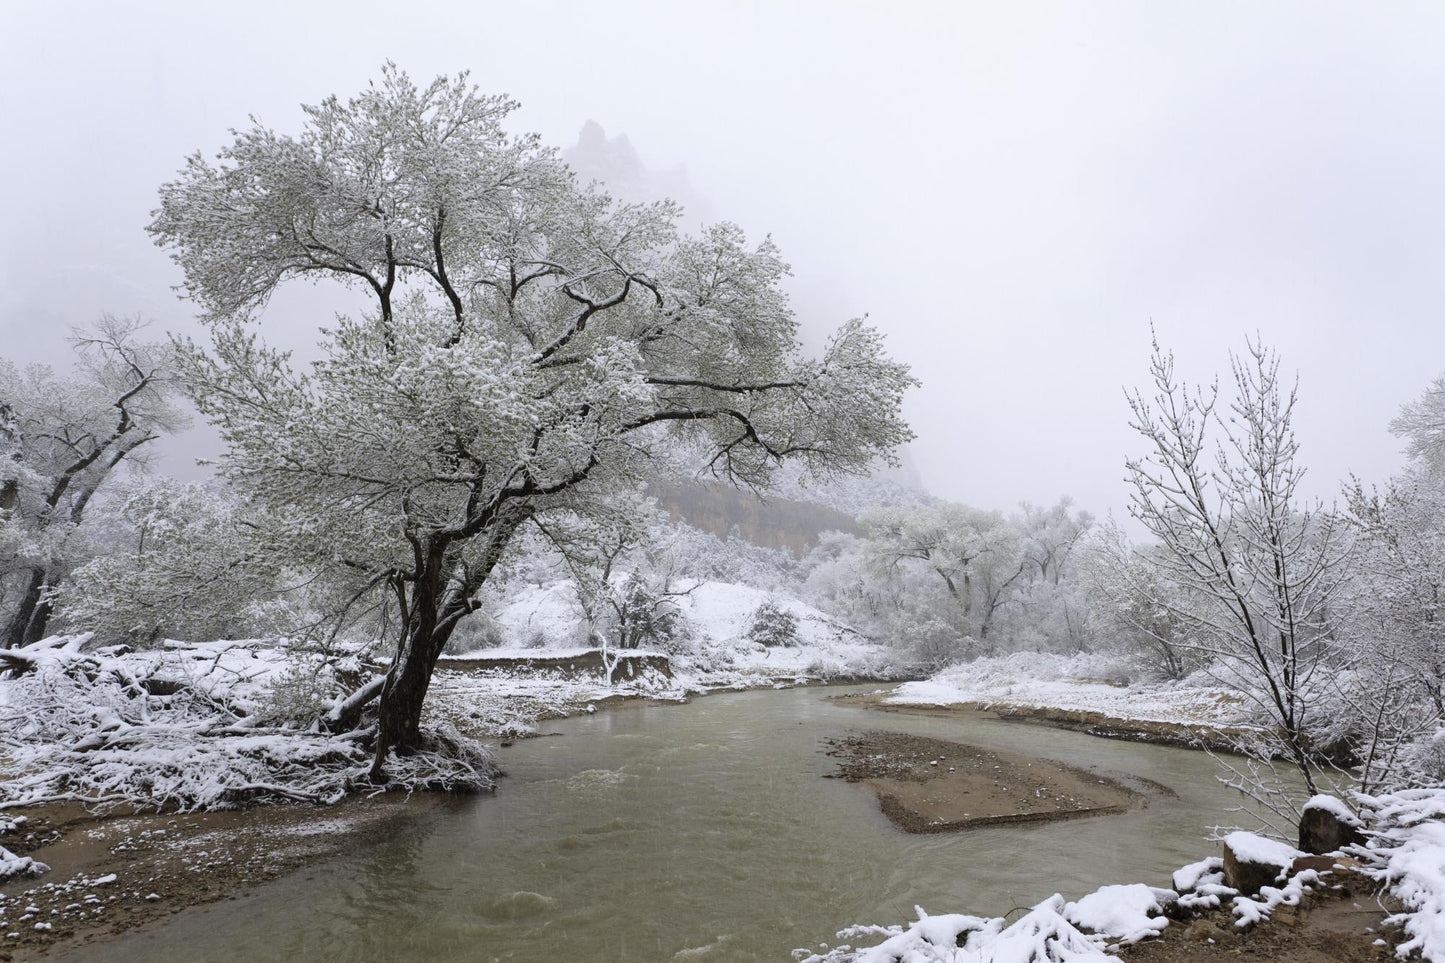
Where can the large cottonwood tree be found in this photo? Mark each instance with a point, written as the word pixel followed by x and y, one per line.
pixel 533 348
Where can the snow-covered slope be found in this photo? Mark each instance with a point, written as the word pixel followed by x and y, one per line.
pixel 717 651
pixel 1044 680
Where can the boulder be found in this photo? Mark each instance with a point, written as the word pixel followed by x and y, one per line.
pixel 1326 825
pixel 1252 862
pixel 1320 864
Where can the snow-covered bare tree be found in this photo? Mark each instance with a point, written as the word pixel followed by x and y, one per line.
pixel 180 566
pixel 1393 606
pixel 946 540
pixel 1135 603
pixel 61 439
pixel 531 347
pixel 1254 564
pixel 990 565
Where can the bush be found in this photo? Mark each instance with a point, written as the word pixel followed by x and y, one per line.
pixel 773 625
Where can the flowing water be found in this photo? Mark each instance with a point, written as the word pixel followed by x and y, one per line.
pixel 694 832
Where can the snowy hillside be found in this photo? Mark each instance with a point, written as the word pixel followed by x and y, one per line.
pixel 1080 683
pixel 715 647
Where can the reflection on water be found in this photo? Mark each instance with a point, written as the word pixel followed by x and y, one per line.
pixel 697 832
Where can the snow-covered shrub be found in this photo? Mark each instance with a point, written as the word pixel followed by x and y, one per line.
pixel 772 625
pixel 478 631
pixel 189 727
pixel 1422 762
pixel 1408 854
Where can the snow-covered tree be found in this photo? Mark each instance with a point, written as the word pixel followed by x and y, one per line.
pixel 772 625
pixel 1392 609
pixel 1008 579
pixel 531 346
pixel 181 566
pixel 61 439
pixel 1135 605
pixel 1254 565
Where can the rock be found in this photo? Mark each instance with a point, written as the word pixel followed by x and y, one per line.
pixel 1320 864
pixel 1203 931
pixel 1326 825
pixel 1286 916
pixel 1252 862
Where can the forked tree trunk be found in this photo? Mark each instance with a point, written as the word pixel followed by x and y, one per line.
pixel 437 604
pixel 404 695
pixel 407 681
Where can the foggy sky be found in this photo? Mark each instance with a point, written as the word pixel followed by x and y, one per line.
pixel 1013 192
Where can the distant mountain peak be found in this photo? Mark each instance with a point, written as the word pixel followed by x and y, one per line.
pixel 616 164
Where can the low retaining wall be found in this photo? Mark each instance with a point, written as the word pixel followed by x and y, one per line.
pixel 584 664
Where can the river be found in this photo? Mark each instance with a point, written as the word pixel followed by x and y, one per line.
pixel 693 832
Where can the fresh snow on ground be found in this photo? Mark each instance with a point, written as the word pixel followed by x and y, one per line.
pixel 1056 931
pixel 1128 913
pixel 1071 683
pixel 1408 851
pixel 12 865
pixel 487 692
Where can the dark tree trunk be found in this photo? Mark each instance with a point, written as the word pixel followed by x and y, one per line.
pixel 438 603
pixel 39 621
pixel 18 631
pixel 407 681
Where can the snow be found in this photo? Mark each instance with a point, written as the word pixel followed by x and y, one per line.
pixel 1130 912
pixel 1087 930
pixel 1249 910
pixel 1334 807
pixel 1186 878
pixel 1408 855
pixel 1254 848
pixel 1043 935
pixel 1069 683
pixel 12 865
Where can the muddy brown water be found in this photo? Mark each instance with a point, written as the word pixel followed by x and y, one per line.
pixel 694 832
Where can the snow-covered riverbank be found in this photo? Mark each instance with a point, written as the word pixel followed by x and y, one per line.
pixel 1080 683
pixel 1401 866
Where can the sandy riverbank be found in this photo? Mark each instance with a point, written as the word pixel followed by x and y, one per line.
pixel 928 785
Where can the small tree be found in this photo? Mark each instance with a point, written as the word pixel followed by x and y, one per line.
pixel 1254 565
pixel 1393 608
pixel 531 348
pixel 61 439
pixel 772 625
